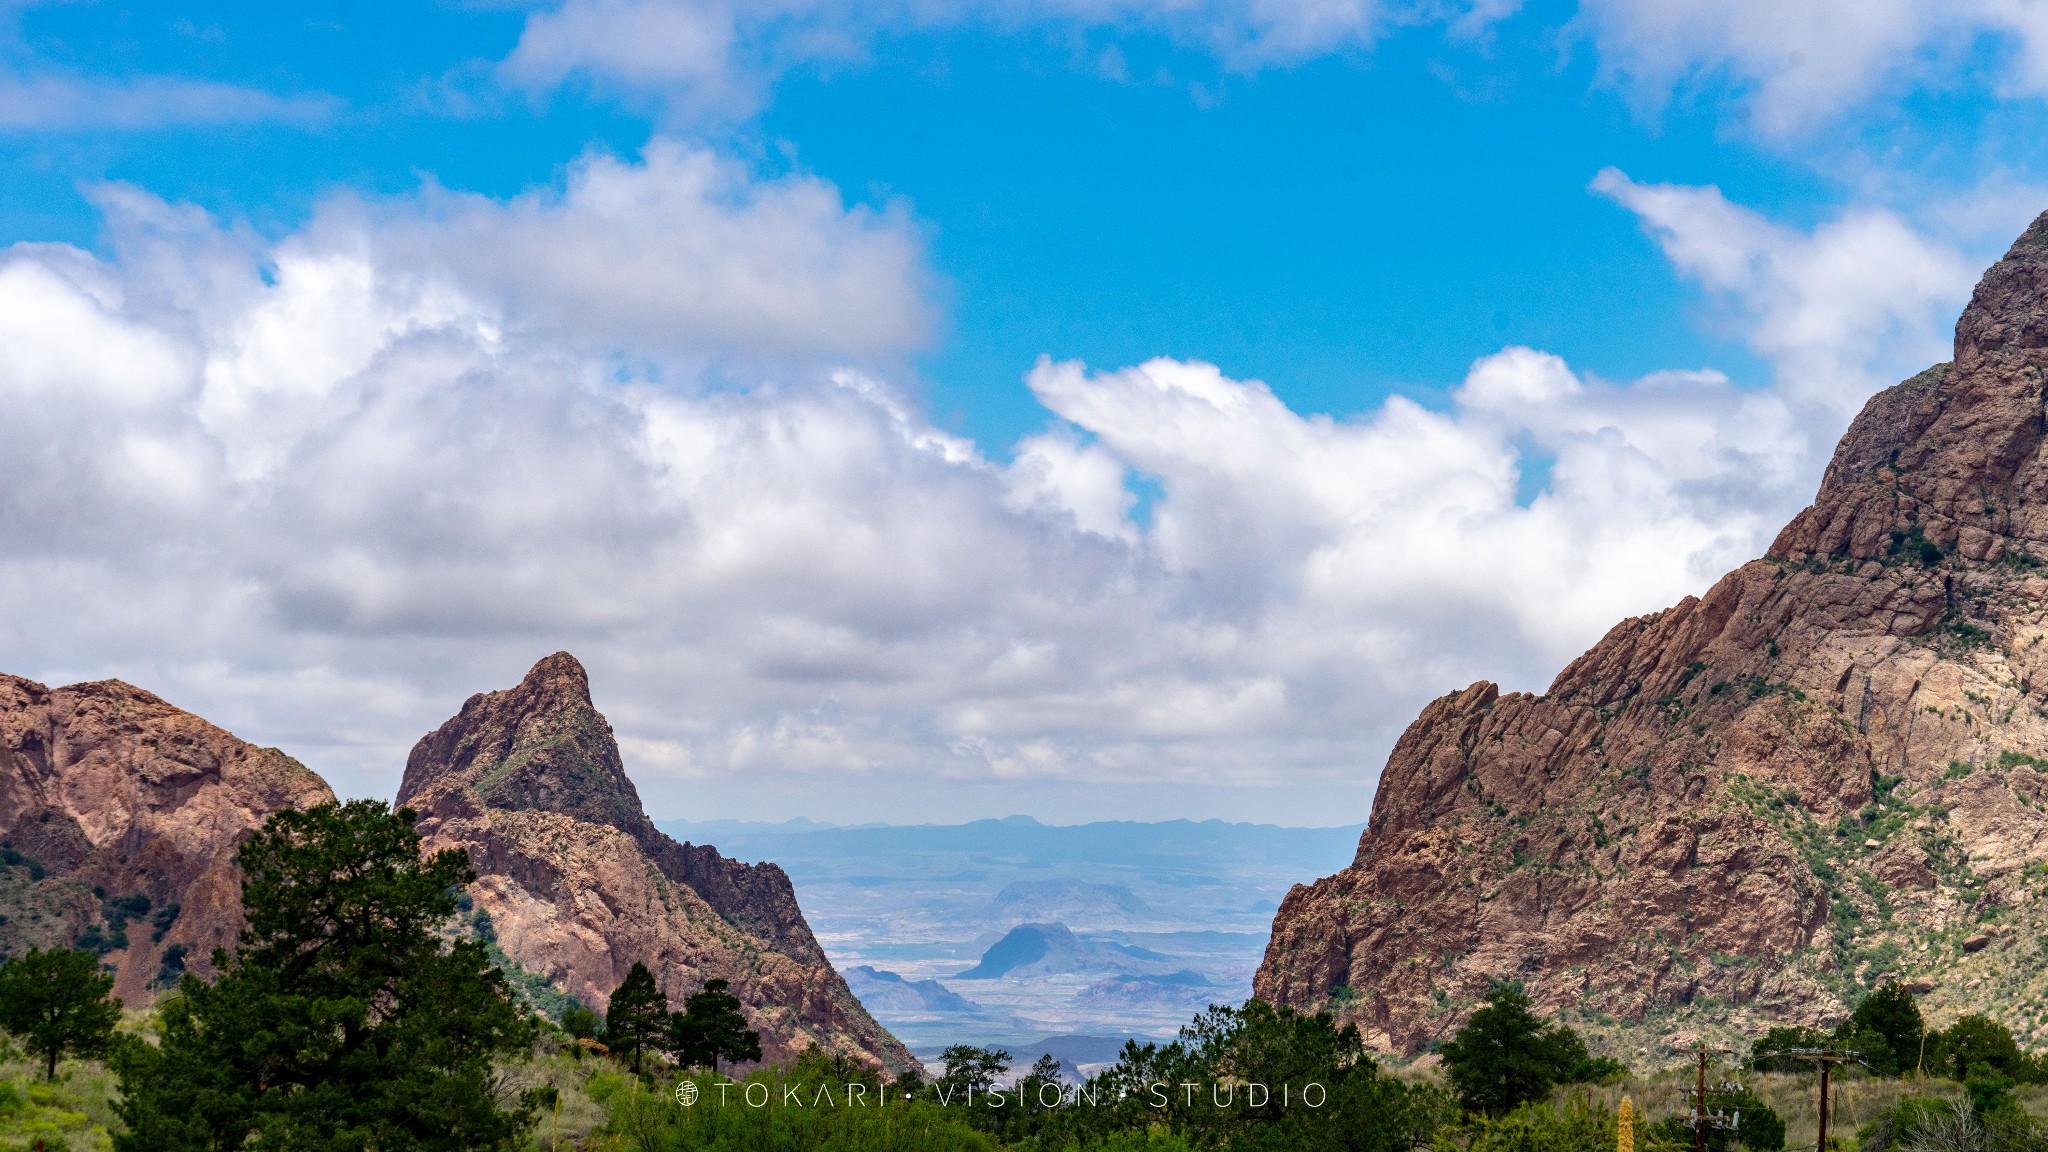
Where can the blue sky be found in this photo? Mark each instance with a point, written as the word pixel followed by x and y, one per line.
pixel 1340 227
pixel 766 285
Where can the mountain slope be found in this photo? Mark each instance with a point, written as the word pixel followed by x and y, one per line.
pixel 119 819
pixel 1753 805
pixel 579 885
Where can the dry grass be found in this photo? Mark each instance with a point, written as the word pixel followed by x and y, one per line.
pixel 1858 1099
pixel 578 1115
pixel 1794 1097
pixel 71 1114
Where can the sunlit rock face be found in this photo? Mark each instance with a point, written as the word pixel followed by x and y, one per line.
pixel 579 885
pixel 1756 804
pixel 120 815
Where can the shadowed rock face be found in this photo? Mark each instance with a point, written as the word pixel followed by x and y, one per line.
pixel 1753 806
pixel 104 786
pixel 580 885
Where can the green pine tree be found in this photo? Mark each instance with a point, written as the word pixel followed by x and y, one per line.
pixel 1886 1029
pixel 56 1002
pixel 636 1019
pixel 343 1020
pixel 1505 1055
pixel 711 1027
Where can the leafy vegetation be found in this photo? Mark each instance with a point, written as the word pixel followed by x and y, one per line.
pixel 1505 1056
pixel 711 1027
pixel 1756 1125
pixel 58 1003
pixel 365 1007
pixel 1912 545
pixel 343 1020
pixel 637 1018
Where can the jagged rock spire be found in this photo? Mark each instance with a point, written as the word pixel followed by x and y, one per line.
pixel 1954 456
pixel 542 746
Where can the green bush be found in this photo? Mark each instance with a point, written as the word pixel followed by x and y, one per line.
pixel 1769 1054
pixel 1978 1046
pixel 1576 1126
pixel 1597 1070
pixel 1919 1124
pixel 1506 1056
pixel 1887 1029
pixel 652 1120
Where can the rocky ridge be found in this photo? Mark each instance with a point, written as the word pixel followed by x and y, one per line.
pixel 119 819
pixel 1829 770
pixel 578 885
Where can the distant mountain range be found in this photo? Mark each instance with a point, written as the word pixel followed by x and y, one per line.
pixel 1054 950
pixel 886 991
pixel 1005 931
pixel 1158 848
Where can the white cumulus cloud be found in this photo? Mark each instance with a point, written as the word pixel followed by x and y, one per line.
pixel 1835 308
pixel 321 488
pixel 1798 67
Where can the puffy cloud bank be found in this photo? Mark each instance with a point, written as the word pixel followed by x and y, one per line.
pixel 322 488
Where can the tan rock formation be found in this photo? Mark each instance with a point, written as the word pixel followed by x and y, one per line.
pixel 579 884
pixel 1756 804
pixel 107 794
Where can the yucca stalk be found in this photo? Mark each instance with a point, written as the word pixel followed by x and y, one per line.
pixel 1625 1128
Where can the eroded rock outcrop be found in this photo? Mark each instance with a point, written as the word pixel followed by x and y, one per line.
pixel 119 819
pixel 579 885
pixel 1829 769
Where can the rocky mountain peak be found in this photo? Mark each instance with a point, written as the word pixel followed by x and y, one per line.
pixel 1952 458
pixel 541 746
pixel 1828 771
pixel 2009 310
pixel 578 885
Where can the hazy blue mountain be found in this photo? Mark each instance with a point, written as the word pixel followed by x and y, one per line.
pixel 1077 902
pixel 1078 1049
pixel 1126 912
pixel 1054 950
pixel 1181 990
pixel 879 989
pixel 1157 848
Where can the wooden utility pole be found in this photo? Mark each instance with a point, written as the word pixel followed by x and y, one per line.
pixel 1701 1119
pixel 1827 1059
pixel 1699 1105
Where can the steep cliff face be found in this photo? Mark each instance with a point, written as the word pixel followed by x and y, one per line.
pixel 119 819
pixel 579 885
pixel 1830 769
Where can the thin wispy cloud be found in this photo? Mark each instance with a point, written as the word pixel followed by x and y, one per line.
pixel 719 56
pixel 1785 71
pixel 44 101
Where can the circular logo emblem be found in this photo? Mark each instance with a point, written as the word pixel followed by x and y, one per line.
pixel 686 1093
